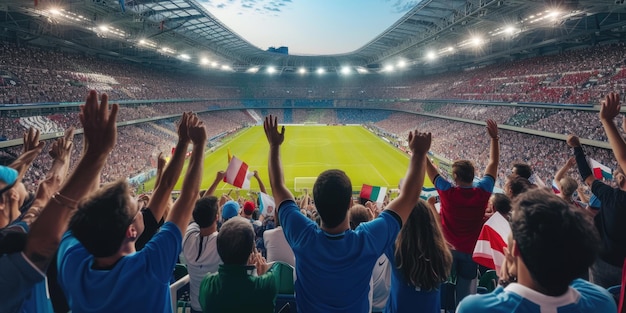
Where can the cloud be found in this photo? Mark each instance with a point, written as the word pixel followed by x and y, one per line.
pixel 271 9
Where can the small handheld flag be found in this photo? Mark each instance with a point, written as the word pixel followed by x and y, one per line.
pixel 599 170
pixel 374 193
pixel 237 174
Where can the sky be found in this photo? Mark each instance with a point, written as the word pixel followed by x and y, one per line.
pixel 309 27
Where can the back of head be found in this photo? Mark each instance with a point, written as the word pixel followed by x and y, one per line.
pixel 422 254
pixel 101 221
pixel 235 241
pixel 359 214
pixel 523 170
pixel 463 170
pixel 556 241
pixel 568 187
pixel 230 209
pixel 501 203
pixel 516 185
pixel 332 194
pixel 205 211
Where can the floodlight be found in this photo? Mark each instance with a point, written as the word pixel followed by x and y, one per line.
pixel 430 55
pixel 510 30
pixel 401 63
pixel 253 69
pixel 321 70
pixel 389 68
pixel 450 49
pixel 142 42
pixel 185 56
pixel 477 41
pixel 204 61
pixel 214 64
pixel 302 70
pixel 345 70
pixel 54 11
pixel 554 14
pixel 225 68
pixel 103 28
pixel 271 70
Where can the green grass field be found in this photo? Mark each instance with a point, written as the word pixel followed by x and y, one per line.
pixel 308 151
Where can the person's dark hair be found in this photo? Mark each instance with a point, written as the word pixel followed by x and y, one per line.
pixel 332 194
pixel 235 241
pixel 422 255
pixel 556 241
pixel 523 170
pixel 516 185
pixel 502 203
pixel 464 170
pixel 205 211
pixel 359 214
pixel 101 221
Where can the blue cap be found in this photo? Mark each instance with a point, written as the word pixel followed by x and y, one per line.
pixel 230 209
pixel 8 175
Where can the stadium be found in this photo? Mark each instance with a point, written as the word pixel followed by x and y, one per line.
pixel 539 69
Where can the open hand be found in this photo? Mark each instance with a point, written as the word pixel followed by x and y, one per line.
pixel 100 129
pixel 196 130
pixel 274 137
pixel 492 128
pixel 610 107
pixel 183 126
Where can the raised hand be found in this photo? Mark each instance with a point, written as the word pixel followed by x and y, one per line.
pixel 31 141
pixel 274 137
pixel 196 130
pixel 573 141
pixel 610 107
pixel 183 126
pixel 62 147
pixel 571 162
pixel 100 129
pixel 419 142
pixel 219 176
pixel 492 128
pixel 161 161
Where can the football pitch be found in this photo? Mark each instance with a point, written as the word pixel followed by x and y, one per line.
pixel 306 152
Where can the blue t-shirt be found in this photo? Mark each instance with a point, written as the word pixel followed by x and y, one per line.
pixel 334 271
pixel 404 297
pixel 139 282
pixel 582 297
pixel 17 278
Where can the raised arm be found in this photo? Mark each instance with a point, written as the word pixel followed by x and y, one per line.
pixel 171 173
pixel 583 167
pixel 32 147
pixel 258 179
pixel 494 149
pixel 99 127
pixel 181 211
pixel 431 170
pixel 60 152
pixel 277 178
pixel 609 109
pixel 161 162
pixel 218 178
pixel 563 171
pixel 419 143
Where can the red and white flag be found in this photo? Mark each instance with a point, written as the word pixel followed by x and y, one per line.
pixel 237 174
pixel 489 250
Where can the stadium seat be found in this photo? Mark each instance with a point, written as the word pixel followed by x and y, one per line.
pixel 488 282
pixel 285 299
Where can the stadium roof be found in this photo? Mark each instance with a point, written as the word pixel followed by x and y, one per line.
pixel 435 35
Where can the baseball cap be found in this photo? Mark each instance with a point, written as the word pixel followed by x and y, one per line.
pixel 248 207
pixel 8 176
pixel 230 209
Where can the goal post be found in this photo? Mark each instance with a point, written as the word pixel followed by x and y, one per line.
pixel 301 183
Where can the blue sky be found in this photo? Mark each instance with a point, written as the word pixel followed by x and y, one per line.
pixel 309 27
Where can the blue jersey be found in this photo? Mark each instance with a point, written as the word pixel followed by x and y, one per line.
pixel 405 297
pixel 582 297
pixel 139 282
pixel 334 271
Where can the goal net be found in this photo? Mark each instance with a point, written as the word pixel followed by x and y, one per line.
pixel 301 183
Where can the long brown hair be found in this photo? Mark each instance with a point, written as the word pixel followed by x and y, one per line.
pixel 422 255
